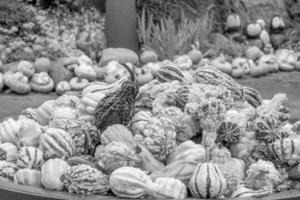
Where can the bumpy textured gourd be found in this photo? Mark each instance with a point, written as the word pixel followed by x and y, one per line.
pixel 30 157
pixel 8 170
pixel 117 107
pixel 9 152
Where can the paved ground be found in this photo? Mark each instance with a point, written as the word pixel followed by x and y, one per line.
pixel 289 83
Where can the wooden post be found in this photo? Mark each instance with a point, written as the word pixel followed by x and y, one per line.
pixel 121 24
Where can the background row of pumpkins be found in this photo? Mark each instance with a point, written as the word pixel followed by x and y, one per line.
pixel 75 73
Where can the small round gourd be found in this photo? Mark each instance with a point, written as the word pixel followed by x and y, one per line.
pixel 42 82
pixel 29 133
pixel 147 56
pixel 220 154
pixel 9 130
pixel 170 188
pixel 7 170
pixel 78 83
pixel 10 152
pixel 233 21
pixel 17 82
pixel 62 87
pixel 28 177
pixel 30 157
pixel 42 64
pixel 253 30
pixel 26 68
pixel 207 181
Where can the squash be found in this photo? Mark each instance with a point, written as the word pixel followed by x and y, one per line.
pixel 257 70
pixel 42 83
pixel 117 133
pixel 269 63
pixel 114 72
pixel 243 192
pixel 78 83
pixel 29 133
pixel 170 188
pixel 129 182
pixel 244 146
pixel 57 143
pixel 152 66
pixel 183 62
pixel 167 73
pixel 62 87
pixel 52 173
pixel 233 22
pixel 240 67
pixel 84 179
pixel 9 130
pixel 60 117
pixel 254 53
pixel 7 170
pixel 148 55
pixel 2 84
pixel 144 75
pixel 44 112
pixel 253 30
pixel 17 82
pixel 59 73
pixel 9 152
pixel 207 181
pixel 42 65
pixel 85 71
pixel 30 157
pixel 123 55
pixel 220 154
pixel 221 64
pixel 195 54
pixel 26 68
pixel 28 177
pixel 286 59
pixel 277 24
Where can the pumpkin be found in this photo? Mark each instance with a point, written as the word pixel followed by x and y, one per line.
pixel 243 192
pixel 28 177
pixel 207 181
pixel 84 179
pixel 188 151
pixel 269 63
pixel 42 65
pixel 7 170
pixel 221 64
pixel 30 157
pixel 9 130
pixel 148 162
pixel 253 30
pixel 170 188
pixel 144 75
pixel 29 133
pixel 41 82
pixel 52 173
pixel 114 71
pixel 1 82
pixel 148 55
pixel 117 107
pixel 117 133
pixel 26 68
pixel 183 62
pixel 233 22
pixel 129 182
pixel 167 73
pixel 116 155
pixel 62 87
pixel 195 54
pixel 254 53
pixel 78 83
pixel 9 152
pixel 17 82
pixel 58 143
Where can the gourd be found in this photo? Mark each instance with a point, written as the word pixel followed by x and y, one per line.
pixel 254 53
pixel 188 151
pixel 195 54
pixel 228 132
pixel 42 65
pixel 57 143
pixel 114 72
pixel 183 62
pixel 170 188
pixel 78 83
pixel 144 75
pixel 286 59
pixel 244 146
pixel 85 136
pixel 117 133
pixel 9 130
pixel 7 170
pixel 207 181
pixel 60 117
pixel 67 100
pixel 85 71
pixel 28 177
pixel 240 67
pixel 29 133
pixel 52 172
pixel 233 22
pixel 116 155
pixel 148 55
pixel 26 68
pixel 44 112
pixel 62 87
pixel 84 179
pixel 244 192
pixel 41 82
pixel 129 182
pixel 30 157
pixel 167 73
pixel 253 30
pixel 1 82
pixel 269 63
pixel 117 107
pixel 221 64
pixel 219 154
pixel 17 82
pixel 9 152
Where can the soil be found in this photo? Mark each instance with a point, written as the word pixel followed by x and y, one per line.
pixel 284 82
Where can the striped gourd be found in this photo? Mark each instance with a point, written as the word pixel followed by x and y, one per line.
pixel 168 73
pixel 207 181
pixel 252 96
pixel 57 143
pixel 244 192
pixel 30 177
pixel 30 157
pixel 84 179
pixel 9 131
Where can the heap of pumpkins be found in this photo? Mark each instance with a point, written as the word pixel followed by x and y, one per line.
pixel 183 134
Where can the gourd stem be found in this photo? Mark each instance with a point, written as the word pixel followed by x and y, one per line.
pixel 131 72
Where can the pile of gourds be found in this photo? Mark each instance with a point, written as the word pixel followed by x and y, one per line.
pixel 184 134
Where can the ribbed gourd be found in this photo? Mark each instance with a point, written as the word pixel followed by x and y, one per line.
pixel 84 179
pixel 30 157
